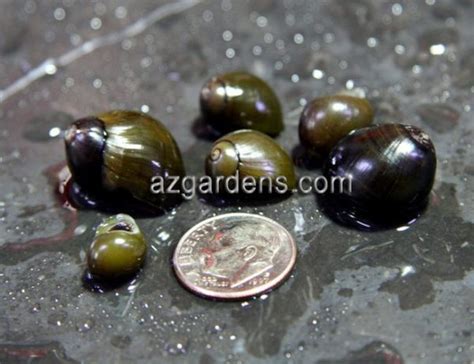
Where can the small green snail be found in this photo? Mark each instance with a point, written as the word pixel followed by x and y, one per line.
pixel 326 120
pixel 121 151
pixel 240 100
pixel 250 153
pixel 118 250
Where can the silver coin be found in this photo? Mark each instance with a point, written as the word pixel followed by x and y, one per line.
pixel 234 256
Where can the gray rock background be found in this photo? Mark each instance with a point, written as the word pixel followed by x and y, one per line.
pixel 354 297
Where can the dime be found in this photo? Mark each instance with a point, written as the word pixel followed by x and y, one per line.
pixel 234 256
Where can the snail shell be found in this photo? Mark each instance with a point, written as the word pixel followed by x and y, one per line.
pixel 118 250
pixel 122 151
pixel 239 100
pixel 250 153
pixel 326 120
pixel 392 167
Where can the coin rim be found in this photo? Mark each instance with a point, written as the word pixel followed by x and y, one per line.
pixel 275 282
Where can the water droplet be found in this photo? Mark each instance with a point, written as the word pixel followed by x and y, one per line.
pixel 280 44
pixel 146 62
pixel 397 9
pixel 230 53
pixel 145 108
pixel 35 308
pixel 227 35
pixel 268 38
pixel 80 229
pixel 407 270
pixel 399 49
pixel 372 42
pixel 85 326
pixel 437 49
pixel 97 83
pixel 96 23
pixel 403 228
pixel 298 38
pixel 120 12
pixel 262 21
pixel 226 5
pixel 100 8
pixel 290 20
pixel 440 38
pixel 30 7
pixel 215 328
pixel 163 236
pixel 75 39
pixel 257 50
pixel 59 14
pixel 328 38
pixel 57 318
pixel 50 68
pixel 207 16
pixel 54 132
pixel 318 74
pixel 416 69
pixel 177 346
pixel 278 65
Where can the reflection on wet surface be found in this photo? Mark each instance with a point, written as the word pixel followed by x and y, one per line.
pixel 376 353
pixel 398 296
pixel 38 353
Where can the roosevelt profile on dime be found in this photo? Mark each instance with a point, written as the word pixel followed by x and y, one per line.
pixel 234 255
pixel 240 253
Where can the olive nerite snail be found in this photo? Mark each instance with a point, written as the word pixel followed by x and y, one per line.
pixel 120 151
pixel 392 169
pixel 250 154
pixel 240 100
pixel 325 120
pixel 118 250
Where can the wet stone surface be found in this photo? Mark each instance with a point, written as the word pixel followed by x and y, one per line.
pixel 399 296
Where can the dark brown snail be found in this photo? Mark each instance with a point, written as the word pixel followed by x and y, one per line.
pixel 118 250
pixel 239 100
pixel 120 151
pixel 326 120
pixel 391 168
pixel 251 154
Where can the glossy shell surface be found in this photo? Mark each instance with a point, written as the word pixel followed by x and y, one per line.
pixel 118 250
pixel 122 151
pixel 326 120
pixel 240 100
pixel 392 169
pixel 250 153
